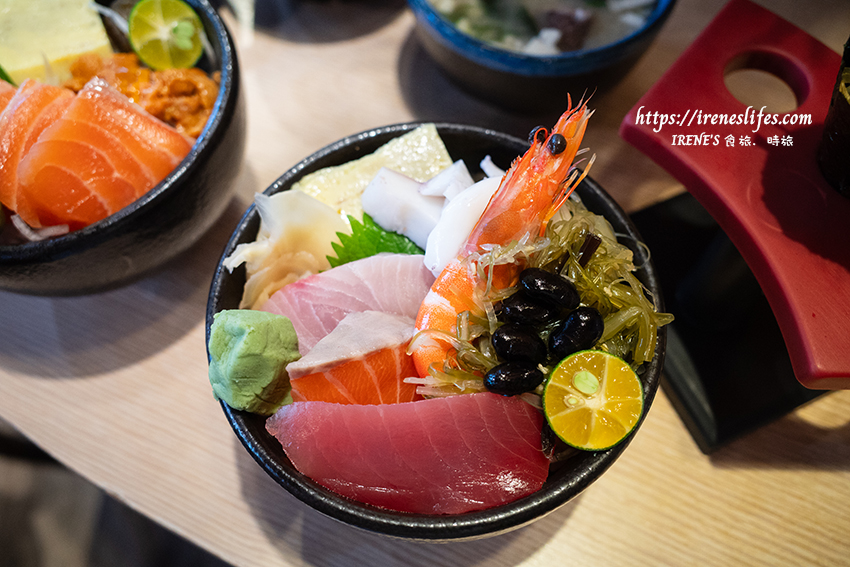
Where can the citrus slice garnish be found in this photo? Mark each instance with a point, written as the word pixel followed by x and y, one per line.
pixel 593 400
pixel 166 34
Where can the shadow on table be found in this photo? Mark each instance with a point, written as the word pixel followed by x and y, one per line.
pixel 432 96
pixel 294 529
pixel 73 337
pixel 323 21
pixel 789 443
pixel 49 515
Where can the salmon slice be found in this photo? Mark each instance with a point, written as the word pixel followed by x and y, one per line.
pixel 70 182
pixel 439 456
pixel 155 144
pixel 7 91
pixel 101 141
pixel 32 108
pixel 98 157
pixel 363 360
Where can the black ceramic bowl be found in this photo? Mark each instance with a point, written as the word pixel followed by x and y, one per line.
pixel 166 221
pixel 470 144
pixel 528 82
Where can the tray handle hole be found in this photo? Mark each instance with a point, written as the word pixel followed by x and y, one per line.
pixel 764 79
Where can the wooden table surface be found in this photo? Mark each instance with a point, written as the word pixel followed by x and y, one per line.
pixel 114 385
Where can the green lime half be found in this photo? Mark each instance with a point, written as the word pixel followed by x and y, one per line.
pixel 166 34
pixel 593 400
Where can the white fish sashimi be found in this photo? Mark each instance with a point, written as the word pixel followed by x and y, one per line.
pixel 391 283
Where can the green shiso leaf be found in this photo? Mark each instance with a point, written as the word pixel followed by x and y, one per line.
pixel 6 77
pixel 367 239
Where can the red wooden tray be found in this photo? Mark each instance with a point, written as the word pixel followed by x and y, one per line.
pixel 789 225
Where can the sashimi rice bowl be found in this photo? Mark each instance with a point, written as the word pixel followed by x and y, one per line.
pixel 122 128
pixel 437 331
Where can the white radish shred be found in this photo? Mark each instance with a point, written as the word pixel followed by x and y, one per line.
pixel 34 235
pixel 113 16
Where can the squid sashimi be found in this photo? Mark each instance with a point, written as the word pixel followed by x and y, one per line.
pixel 438 456
pixel 391 283
pixel 350 366
pixel 32 108
pixel 98 157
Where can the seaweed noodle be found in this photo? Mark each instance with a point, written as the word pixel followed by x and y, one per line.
pixel 605 281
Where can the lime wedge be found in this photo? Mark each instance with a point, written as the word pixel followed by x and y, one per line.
pixel 166 34
pixel 593 400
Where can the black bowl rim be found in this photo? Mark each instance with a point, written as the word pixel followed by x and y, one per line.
pixel 94 233
pixel 566 63
pixel 424 527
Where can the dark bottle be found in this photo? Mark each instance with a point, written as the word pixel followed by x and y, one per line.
pixel 834 151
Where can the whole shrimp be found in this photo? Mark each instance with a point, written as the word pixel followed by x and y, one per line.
pixel 529 195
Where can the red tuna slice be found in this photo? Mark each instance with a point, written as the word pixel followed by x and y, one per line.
pixel 32 108
pixel 363 360
pixel 391 283
pixel 438 456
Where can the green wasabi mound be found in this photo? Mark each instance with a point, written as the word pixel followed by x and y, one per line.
pixel 249 351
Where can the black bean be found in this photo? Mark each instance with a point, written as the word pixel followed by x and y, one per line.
pixel 515 342
pixel 557 143
pixel 513 378
pixel 519 308
pixel 549 288
pixel 580 331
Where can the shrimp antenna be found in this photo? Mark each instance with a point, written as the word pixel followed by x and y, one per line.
pixel 569 186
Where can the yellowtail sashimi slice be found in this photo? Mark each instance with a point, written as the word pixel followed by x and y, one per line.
pixel 391 283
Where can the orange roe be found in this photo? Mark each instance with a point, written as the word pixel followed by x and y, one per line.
pixel 183 98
